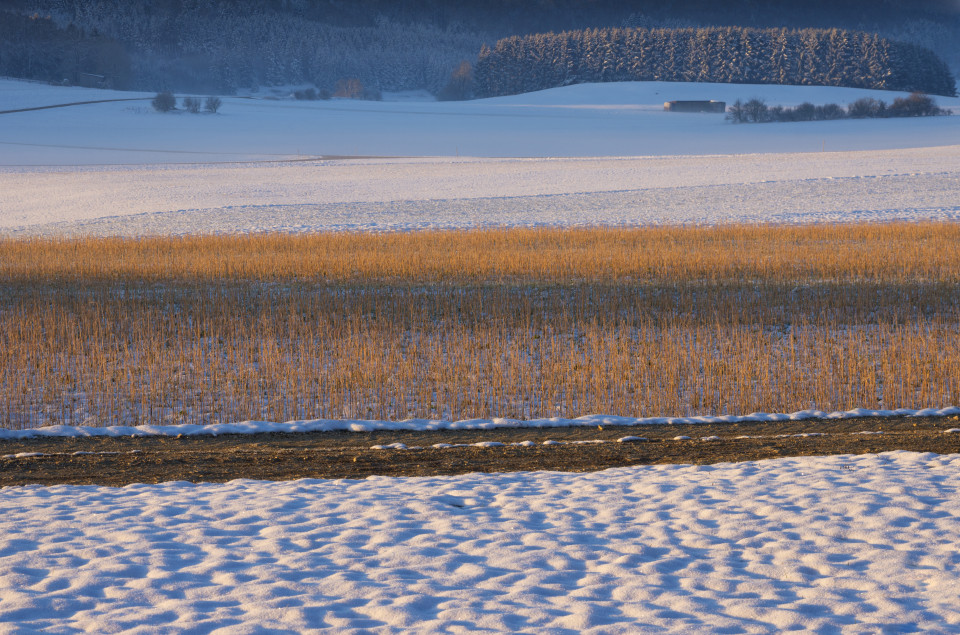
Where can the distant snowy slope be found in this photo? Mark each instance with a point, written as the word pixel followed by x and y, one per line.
pixel 254 166
pixel 655 93
pixel 401 194
pixel 625 119
pixel 17 93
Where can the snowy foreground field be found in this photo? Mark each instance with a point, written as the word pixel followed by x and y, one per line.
pixel 858 544
pixel 862 544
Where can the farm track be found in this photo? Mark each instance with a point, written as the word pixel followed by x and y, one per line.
pixel 73 103
pixel 126 460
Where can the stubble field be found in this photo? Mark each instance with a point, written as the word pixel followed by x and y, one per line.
pixel 519 323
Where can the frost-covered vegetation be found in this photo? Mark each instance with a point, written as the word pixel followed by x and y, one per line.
pixel 205 48
pixel 725 55
pixel 209 45
pixel 456 325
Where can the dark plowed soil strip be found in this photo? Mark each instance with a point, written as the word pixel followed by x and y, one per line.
pixel 121 461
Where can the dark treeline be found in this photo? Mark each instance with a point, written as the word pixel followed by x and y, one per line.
pixel 211 45
pixel 757 111
pixel 226 45
pixel 32 47
pixel 717 54
pixel 509 17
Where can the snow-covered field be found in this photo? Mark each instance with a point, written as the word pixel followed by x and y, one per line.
pixel 849 544
pixel 864 544
pixel 623 119
pixel 591 154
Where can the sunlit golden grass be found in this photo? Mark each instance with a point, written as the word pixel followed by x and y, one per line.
pixel 669 255
pixel 511 323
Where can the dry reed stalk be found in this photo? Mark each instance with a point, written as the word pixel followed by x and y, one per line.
pixel 896 252
pixel 628 322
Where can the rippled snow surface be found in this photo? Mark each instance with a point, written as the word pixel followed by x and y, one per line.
pixel 842 543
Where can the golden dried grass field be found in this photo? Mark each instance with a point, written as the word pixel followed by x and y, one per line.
pixel 517 323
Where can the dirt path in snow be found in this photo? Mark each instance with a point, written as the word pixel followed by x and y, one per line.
pixel 120 461
pixel 73 103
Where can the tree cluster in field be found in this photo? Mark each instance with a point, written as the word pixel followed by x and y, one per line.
pixel 737 55
pixel 757 111
pixel 167 102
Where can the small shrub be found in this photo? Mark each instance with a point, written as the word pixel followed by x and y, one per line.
pixel 804 112
pixel 191 104
pixel 829 112
pixel 756 111
pixel 164 102
pixel 325 94
pixel 867 108
pixel 307 94
pixel 735 112
pixel 212 104
pixel 916 105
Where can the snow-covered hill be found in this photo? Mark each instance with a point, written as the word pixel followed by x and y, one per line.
pixel 624 119
pixel 121 168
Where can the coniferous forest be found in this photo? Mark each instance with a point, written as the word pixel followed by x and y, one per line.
pixel 388 45
pixel 815 57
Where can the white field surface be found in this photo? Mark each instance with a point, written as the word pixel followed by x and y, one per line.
pixel 584 155
pixel 831 544
pixel 853 544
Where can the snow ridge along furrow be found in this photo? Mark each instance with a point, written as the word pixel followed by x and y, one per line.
pixel 364 425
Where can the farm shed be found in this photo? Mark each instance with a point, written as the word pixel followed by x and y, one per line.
pixel 696 106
